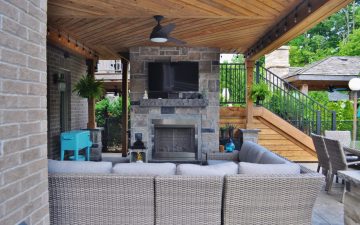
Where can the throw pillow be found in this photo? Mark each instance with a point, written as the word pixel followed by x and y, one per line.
pixel 254 168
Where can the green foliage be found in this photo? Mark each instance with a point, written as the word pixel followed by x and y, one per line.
pixel 352 46
pixel 343 109
pixel 328 38
pixel 239 58
pixel 88 87
pixel 108 108
pixel 259 91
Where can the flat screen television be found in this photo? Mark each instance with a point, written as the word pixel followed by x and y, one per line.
pixel 172 77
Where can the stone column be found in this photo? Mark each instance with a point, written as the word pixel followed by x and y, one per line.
pixel 304 89
pixel 249 83
pixel 278 61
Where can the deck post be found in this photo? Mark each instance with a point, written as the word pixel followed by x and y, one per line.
pixel 91 101
pixel 333 120
pixel 249 103
pixel 125 113
pixel 318 122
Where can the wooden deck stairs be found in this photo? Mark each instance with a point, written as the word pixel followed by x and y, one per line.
pixel 276 134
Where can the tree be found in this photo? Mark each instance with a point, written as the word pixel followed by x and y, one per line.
pixel 352 46
pixel 324 39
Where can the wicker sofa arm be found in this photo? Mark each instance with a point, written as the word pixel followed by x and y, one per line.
pixel 271 199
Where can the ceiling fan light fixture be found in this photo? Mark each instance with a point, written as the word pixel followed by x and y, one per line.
pixel 159 39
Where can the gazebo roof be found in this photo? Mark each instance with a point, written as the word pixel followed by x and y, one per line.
pixel 335 71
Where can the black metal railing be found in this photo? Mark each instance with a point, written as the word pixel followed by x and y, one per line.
pixel 232 84
pixel 293 106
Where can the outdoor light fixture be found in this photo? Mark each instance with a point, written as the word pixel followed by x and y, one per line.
pixel 354 85
pixel 158 39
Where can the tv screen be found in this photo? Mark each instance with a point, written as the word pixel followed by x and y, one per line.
pixel 166 77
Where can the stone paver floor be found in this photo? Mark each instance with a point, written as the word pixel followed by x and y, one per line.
pixel 328 209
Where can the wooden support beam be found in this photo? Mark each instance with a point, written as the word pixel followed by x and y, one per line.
pixel 249 82
pixel 68 43
pixel 125 113
pixel 304 16
pixel 91 101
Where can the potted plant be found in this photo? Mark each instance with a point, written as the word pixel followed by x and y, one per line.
pixel 259 91
pixel 230 128
pixel 88 87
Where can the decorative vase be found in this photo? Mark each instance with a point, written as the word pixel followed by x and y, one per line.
pixel 229 147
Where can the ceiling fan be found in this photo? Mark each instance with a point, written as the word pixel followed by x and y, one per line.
pixel 160 34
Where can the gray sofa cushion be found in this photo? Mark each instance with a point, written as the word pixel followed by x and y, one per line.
pixel 251 152
pixel 255 153
pixel 254 168
pixel 271 158
pixel 222 169
pixel 145 169
pixel 78 167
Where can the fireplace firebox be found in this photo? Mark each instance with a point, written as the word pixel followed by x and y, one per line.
pixel 174 140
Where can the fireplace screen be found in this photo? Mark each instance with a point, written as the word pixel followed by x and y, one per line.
pixel 174 142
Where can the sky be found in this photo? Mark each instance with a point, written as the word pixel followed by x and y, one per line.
pixel 226 57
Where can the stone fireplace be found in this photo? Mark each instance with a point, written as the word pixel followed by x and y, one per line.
pixel 179 128
pixel 174 139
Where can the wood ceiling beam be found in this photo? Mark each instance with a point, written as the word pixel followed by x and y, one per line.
pixel 68 43
pixel 307 14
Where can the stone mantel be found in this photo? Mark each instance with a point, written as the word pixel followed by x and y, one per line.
pixel 174 102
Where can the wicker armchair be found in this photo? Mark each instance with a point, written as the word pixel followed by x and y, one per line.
pixel 337 158
pixel 344 136
pixel 323 156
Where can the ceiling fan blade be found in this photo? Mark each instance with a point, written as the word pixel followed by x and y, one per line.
pixel 168 28
pixel 176 41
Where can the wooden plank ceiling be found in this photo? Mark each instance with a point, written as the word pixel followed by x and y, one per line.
pixel 109 27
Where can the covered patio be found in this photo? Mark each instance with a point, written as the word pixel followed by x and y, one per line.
pixel 46 44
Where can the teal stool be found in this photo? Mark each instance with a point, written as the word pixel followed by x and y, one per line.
pixel 75 140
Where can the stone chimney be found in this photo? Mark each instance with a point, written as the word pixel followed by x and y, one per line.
pixel 278 61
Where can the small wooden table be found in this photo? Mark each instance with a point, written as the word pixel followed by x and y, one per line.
pixel 75 140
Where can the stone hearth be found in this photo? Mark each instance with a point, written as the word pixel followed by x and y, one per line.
pixel 202 113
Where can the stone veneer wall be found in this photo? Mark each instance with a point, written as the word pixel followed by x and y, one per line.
pixel 278 61
pixel 76 67
pixel 140 116
pixel 23 121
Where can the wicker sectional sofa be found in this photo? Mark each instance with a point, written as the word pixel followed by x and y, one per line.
pixel 270 198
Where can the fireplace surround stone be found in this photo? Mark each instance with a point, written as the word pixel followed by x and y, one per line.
pixel 204 112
